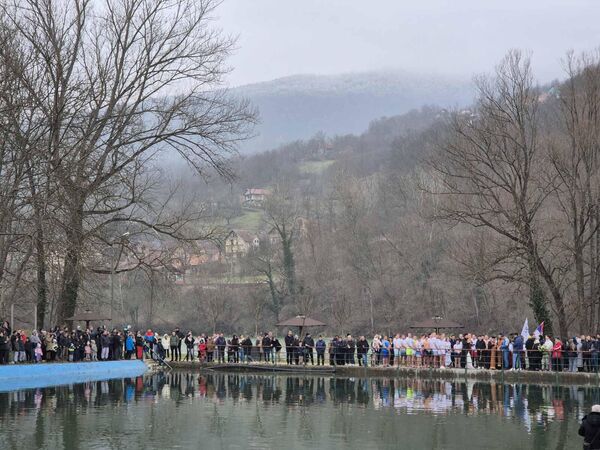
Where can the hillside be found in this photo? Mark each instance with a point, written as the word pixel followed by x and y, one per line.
pixel 296 107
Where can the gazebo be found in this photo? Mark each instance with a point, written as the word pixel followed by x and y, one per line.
pixel 301 322
pixel 437 323
pixel 87 316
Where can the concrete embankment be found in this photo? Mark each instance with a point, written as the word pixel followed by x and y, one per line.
pixel 497 376
pixel 26 376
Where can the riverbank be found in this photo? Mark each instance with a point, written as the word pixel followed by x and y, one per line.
pixel 27 376
pixel 497 376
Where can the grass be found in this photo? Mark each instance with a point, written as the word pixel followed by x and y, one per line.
pixel 315 167
pixel 250 220
pixel 238 279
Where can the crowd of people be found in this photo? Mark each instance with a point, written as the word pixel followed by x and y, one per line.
pixel 506 352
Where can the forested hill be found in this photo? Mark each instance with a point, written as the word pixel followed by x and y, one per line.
pixel 296 107
pixel 388 143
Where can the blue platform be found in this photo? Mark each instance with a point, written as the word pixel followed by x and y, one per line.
pixel 27 376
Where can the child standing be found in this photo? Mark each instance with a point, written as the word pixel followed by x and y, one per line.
pixel 88 351
pixel 94 348
pixel 38 353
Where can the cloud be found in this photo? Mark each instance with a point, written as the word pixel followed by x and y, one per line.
pixel 284 37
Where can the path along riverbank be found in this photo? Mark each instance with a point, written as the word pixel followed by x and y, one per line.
pixel 497 376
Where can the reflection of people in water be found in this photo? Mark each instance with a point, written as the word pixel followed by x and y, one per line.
pixel 529 405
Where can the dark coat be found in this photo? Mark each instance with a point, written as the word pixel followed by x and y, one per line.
pixel 289 340
pixel 4 343
pixel 220 343
pixel 362 347
pixel 309 343
pixel 590 430
pixel 266 342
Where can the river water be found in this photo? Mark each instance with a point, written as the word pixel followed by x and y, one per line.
pixel 241 411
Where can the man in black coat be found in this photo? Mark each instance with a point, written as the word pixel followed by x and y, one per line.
pixel 289 349
pixel 4 347
pixel 309 345
pixel 267 347
pixel 590 429
pixel 362 349
pixel 117 344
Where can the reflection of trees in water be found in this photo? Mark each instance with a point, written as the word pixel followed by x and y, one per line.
pixel 535 406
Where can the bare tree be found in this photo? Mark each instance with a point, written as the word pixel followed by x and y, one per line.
pixel 492 167
pixel 117 85
pixel 281 217
pixel 575 158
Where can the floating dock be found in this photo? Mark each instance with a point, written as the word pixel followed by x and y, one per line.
pixel 28 376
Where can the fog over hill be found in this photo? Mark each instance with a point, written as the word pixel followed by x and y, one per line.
pixel 296 107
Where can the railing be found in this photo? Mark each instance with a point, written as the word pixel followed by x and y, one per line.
pixel 492 359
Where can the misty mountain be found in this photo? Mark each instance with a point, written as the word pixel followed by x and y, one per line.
pixel 296 107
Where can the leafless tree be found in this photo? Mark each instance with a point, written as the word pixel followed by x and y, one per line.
pixel 492 168
pixel 118 85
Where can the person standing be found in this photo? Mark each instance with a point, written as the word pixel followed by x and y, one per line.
pixel 267 346
pixel 289 342
pixel 590 429
pixel 175 344
pixel 535 356
pixel 139 345
pixel 166 343
pixel 557 351
pixel 104 346
pixel 129 345
pixel 333 351
pixel 504 343
pixel 296 349
pixel 189 345
pixel 518 360
pixel 4 347
pixel 149 341
pixel 210 349
pixel 220 343
pixel 246 348
pixel 309 345
pixel 320 346
pixel 350 349
pixel 385 351
pixel 362 350
pixel 546 350
pixel 276 348
pixel 117 346
pixel 235 347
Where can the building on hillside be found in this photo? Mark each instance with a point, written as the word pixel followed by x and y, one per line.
pixel 301 229
pixel 239 242
pixel 187 264
pixel 256 196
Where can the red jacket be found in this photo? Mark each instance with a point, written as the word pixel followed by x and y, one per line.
pixel 557 349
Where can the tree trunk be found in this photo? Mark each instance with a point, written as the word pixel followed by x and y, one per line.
pixel 290 268
pixel 41 282
pixel 71 272
pixel 537 299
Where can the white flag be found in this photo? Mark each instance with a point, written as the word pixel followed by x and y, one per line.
pixel 525 330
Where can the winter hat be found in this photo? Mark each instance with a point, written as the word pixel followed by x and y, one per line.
pixel 596 408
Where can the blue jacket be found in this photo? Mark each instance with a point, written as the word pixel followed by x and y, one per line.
pixel 518 344
pixel 320 346
pixel 129 344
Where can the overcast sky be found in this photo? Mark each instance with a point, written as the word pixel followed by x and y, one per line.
pixel 457 37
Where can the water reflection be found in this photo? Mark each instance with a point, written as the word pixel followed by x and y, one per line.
pixel 532 407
